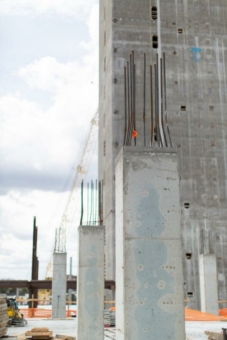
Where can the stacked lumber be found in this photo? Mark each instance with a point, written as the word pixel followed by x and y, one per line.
pixel 65 337
pixel 39 333
pixel 214 335
pixel 3 315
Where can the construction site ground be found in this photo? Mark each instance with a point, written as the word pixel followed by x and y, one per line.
pixel 194 330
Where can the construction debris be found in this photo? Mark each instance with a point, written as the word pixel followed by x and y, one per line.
pixel 214 335
pixel 65 337
pixel 3 315
pixel 41 333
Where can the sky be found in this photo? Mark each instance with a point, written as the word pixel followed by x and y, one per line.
pixel 48 96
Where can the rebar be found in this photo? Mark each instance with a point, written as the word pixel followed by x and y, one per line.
pixel 151 98
pixel 144 102
pixel 82 203
pixel 159 129
pixel 92 204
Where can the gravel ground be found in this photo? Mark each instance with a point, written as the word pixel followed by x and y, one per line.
pixel 194 330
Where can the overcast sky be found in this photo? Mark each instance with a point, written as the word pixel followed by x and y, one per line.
pixel 48 95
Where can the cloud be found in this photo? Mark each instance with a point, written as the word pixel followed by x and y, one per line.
pixel 40 142
pixel 17 210
pixel 39 145
pixel 71 8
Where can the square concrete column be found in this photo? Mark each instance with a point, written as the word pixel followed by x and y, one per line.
pixel 208 283
pixel 149 273
pixel 90 283
pixel 59 285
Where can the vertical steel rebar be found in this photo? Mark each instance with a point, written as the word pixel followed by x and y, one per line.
pixel 96 202
pixel 134 96
pixel 157 101
pixel 129 113
pixel 92 203
pixel 88 189
pixel 99 202
pixel 151 94
pixel 82 203
pixel 165 96
pixel 125 89
pixel 155 105
pixel 159 129
pixel 131 94
pixel 144 102
pixel 162 106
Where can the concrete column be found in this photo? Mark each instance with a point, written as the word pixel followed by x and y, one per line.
pixel 90 283
pixel 59 285
pixel 208 283
pixel 149 273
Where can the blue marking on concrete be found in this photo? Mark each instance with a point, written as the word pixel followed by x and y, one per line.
pixel 196 54
pixel 150 255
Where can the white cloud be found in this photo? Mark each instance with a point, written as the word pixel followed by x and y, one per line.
pixel 75 8
pixel 44 141
pixel 17 210
pixel 38 138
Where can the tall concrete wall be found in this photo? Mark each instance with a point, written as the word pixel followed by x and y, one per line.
pixel 90 284
pixel 59 285
pixel 149 272
pixel 193 35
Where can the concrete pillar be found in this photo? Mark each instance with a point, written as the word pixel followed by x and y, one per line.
pixel 208 283
pixel 149 273
pixel 90 283
pixel 59 286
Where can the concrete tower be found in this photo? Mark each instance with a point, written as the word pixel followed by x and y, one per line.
pixel 192 33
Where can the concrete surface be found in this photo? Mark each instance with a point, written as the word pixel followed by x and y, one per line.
pixel 90 283
pixel 149 273
pixel 208 283
pixel 194 330
pixel 196 64
pixel 59 285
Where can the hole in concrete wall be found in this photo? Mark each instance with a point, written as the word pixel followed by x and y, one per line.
pixel 115 80
pixel 115 20
pixel 180 30
pixel 211 108
pixel 183 108
pixel 187 205
pixel 115 50
pixel 154 12
pixel 190 294
pixel 104 148
pixel 155 41
pixel 188 256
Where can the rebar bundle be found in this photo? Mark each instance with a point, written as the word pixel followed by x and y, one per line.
pixel 159 128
